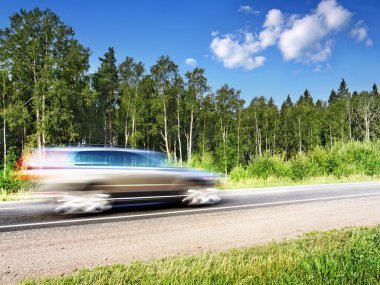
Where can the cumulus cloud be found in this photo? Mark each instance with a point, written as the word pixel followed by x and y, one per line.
pixel 234 52
pixel 191 62
pixel 307 38
pixel 248 10
pixel 360 33
pixel 273 25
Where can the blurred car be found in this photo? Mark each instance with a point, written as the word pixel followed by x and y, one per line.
pixel 92 179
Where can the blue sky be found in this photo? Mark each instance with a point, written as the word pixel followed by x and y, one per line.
pixel 270 48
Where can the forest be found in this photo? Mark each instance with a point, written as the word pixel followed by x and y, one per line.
pixel 49 97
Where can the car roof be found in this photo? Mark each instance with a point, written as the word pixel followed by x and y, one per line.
pixel 85 148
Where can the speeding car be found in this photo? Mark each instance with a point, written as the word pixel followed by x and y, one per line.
pixel 92 179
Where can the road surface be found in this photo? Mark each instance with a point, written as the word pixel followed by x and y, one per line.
pixel 36 243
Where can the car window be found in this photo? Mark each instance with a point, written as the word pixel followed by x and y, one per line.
pixel 47 158
pixel 112 158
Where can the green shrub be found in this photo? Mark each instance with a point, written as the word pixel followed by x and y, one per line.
pixel 205 161
pixel 319 158
pixel 238 173
pixel 301 167
pixel 267 166
pixel 8 181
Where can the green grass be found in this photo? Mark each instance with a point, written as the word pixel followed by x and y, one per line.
pixel 283 181
pixel 349 256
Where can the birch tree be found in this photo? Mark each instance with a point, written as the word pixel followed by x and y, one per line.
pixel 196 88
pixel 164 75
pixel 43 59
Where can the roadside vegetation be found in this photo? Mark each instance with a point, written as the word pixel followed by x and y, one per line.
pixel 353 161
pixel 349 162
pixel 9 184
pixel 348 256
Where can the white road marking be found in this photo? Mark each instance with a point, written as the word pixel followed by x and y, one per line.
pixel 183 211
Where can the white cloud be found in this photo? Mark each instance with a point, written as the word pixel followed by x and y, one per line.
pixel 235 53
pixel 248 10
pixel 191 62
pixel 360 33
pixel 214 33
pixel 308 38
pixel 273 25
pixel 332 15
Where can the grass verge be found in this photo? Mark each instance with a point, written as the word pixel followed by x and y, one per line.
pixel 283 181
pixel 348 256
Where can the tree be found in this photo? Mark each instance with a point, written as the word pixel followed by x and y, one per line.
pixel 131 75
pixel 367 113
pixel 333 97
pixel 227 105
pixel 304 110
pixel 164 75
pixel 343 90
pixel 47 66
pixel 106 84
pixel 5 90
pixel 375 91
pixel 273 125
pixel 196 88
pixel 287 140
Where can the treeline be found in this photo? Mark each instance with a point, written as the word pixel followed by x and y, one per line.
pixel 48 97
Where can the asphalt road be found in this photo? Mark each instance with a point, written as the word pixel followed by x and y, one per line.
pixel 36 243
pixel 29 215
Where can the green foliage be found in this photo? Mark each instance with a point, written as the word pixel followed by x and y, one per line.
pixel 238 173
pixel 349 256
pixel 267 166
pixel 8 181
pixel 301 167
pixel 342 160
pixel 47 66
pixel 205 161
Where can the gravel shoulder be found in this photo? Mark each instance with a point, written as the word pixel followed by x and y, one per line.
pixel 56 251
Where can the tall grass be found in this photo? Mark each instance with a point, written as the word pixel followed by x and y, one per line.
pixel 349 256
pixel 342 160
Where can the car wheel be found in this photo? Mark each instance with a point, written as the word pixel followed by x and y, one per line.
pixel 205 196
pixel 80 203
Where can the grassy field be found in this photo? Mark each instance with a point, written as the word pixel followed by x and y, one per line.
pixel 348 256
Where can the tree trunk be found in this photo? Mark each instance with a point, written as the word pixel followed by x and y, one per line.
pixel 126 132
pixel 134 120
pixel 258 137
pixel 179 131
pixel 4 132
pixel 43 140
pixel 299 134
pixel 238 142
pixel 366 122
pixel 38 134
pixel 190 144
pixel 274 137
pixel 166 135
